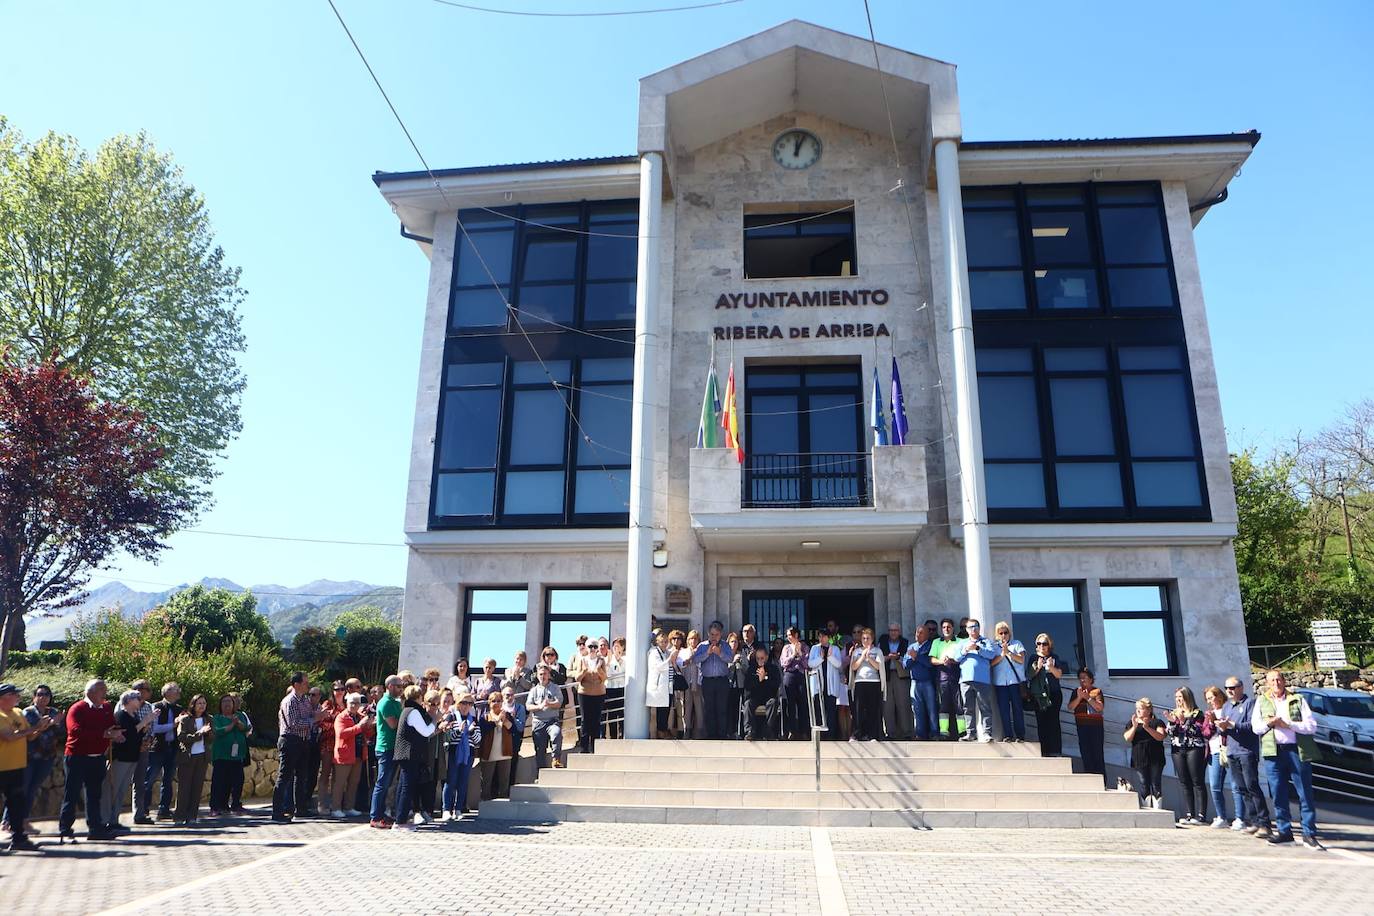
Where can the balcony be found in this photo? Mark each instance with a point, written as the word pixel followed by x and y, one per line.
pixel 841 501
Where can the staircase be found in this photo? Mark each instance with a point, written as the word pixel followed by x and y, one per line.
pixel 877 784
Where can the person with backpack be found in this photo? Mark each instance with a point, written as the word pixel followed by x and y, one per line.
pixel 1285 725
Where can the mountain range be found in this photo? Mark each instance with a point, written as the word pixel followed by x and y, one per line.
pixel 288 609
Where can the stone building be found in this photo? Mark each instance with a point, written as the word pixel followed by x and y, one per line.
pixel 810 218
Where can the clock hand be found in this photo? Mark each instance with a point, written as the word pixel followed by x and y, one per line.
pixel 797 149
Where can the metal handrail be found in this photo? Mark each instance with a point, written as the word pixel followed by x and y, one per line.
pixel 814 692
pixel 806 480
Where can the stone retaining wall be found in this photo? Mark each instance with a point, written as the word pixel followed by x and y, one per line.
pixel 1345 679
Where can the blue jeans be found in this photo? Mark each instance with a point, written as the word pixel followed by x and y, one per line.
pixel 456 783
pixel 1245 778
pixel 1279 770
pixel 1216 784
pixel 84 773
pixel 1010 712
pixel 384 771
pixel 925 709
pixel 160 763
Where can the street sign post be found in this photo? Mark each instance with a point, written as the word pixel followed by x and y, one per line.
pixel 1329 644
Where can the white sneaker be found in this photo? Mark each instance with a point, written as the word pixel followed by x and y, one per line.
pixel 1238 825
pixel 984 740
pixel 1219 823
pixel 338 814
pixel 1182 822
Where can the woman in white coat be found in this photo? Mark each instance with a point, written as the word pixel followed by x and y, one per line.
pixel 832 660
pixel 658 689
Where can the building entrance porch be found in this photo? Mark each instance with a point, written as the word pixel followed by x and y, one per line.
pixel 772 612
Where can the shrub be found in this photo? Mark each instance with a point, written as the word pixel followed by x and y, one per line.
pixel 210 619
pixel 68 684
pixel 371 644
pixel 314 647
pixel 266 676
pixel 47 657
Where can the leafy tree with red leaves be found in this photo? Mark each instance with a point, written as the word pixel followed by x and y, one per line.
pixel 77 484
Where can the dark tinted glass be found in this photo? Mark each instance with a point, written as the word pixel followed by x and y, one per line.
pixel 1150 358
pixel 611 259
pixel 534 493
pixel 470 423
pixel 1158 416
pixel 832 423
pixel 610 303
pixel 997 289
pixel 1088 486
pixel 550 257
pixel 1131 235
pixel 1082 417
pixel 601 492
pixel 467 375
pixel 1060 237
pixel 604 415
pixel 533 373
pixel 826 375
pixel 1066 289
pixel 992 238
pixel 537 427
pixel 1015 486
pixel 483 307
pixel 465 494
pixel 1166 483
pixel 619 211
pixel 1075 359
pixel 1127 193
pixel 981 198
pixel 1009 419
pixel 486 219
pixel 555 215
pixel 772 426
pixel 773 379
pixel 477 248
pixel 547 303
pixel 1140 288
pixel 999 360
pixel 1044 196
pixel 607 370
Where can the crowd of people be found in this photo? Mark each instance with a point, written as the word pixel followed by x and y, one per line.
pixel 403 752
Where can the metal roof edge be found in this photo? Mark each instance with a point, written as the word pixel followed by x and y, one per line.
pixel 379 177
pixel 1251 136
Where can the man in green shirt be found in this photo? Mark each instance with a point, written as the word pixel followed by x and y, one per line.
pixel 388 715
pixel 948 668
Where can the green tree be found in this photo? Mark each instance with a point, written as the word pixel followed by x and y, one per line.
pixel 371 644
pixel 108 267
pixel 210 619
pixel 315 647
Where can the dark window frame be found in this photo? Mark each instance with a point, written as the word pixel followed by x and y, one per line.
pixel 549 617
pixel 794 226
pixel 1078 587
pixel 1165 614
pixel 469 617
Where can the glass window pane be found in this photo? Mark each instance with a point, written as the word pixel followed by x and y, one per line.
pixel 1051 609
pixel 997 289
pixel 1076 359
pixel 831 376
pixel 471 420
pixel 834 422
pixel 1086 486
pixel 554 215
pixel 1000 360
pixel 580 601
pixel 1125 598
pixel 1015 486
pixel 563 635
pixel 1060 237
pixel 534 493
pixel 608 370
pixel 1131 235
pixel 604 414
pixel 538 427
pixel 599 492
pixel 1082 416
pixel 616 211
pixel 1127 193
pixel 498 601
pixel 772 426
pixel 465 494
pixel 1011 428
pixel 1166 483
pixel 478 248
pixel 611 259
pixel 466 375
pixel 992 238
pixel 547 303
pixel 480 308
pixel 773 380
pixel 1140 288
pixel 1159 418
pixel 549 258
pixel 498 639
pixel 607 302
pixel 1066 289
pixel 1150 358
pixel 532 372
pixel 979 198
pixel 1054 197
pixel 1136 644
pixel 480 218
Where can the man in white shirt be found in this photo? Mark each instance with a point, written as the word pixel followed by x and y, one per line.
pixel 1285 726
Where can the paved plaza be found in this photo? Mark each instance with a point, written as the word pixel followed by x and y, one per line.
pixel 493 869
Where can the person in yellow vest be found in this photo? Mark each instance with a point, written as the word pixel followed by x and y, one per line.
pixel 1285 726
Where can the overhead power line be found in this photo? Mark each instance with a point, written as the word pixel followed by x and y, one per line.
pixel 583 14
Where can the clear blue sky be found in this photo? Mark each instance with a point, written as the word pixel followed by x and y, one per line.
pixel 273 118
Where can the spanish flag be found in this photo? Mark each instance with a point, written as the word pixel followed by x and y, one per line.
pixel 729 418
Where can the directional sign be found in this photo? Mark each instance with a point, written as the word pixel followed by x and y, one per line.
pixel 1330 646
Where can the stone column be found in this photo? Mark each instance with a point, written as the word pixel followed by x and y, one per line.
pixel 968 431
pixel 639 565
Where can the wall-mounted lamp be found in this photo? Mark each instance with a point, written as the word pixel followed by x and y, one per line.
pixel 660 555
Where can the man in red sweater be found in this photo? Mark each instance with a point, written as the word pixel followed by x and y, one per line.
pixel 90 728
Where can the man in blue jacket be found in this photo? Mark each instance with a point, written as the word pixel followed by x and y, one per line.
pixel 925 706
pixel 1242 756
pixel 975 682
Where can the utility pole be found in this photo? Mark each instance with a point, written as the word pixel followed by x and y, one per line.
pixel 1352 570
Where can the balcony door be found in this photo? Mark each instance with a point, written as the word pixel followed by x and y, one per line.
pixel 804 437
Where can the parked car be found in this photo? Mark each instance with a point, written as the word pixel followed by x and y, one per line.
pixel 1344 717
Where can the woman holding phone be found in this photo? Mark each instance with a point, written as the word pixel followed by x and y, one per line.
pixel 1188 733
pixel 1146 735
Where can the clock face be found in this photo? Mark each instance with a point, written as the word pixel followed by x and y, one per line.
pixel 796 149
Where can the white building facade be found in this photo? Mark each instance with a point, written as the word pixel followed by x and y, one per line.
pixel 809 218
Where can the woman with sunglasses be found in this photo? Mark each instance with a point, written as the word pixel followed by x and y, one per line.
pixel 1046 694
pixel 1008 676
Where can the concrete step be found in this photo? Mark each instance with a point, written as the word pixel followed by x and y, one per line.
pixel 915 750
pixel 682 761
pixel 806 782
pixel 546 812
pixel 852 798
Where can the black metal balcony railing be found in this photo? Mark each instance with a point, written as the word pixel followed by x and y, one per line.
pixel 806 481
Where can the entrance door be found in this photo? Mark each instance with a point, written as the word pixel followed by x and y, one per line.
pixel 772 613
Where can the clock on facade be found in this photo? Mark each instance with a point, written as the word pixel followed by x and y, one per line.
pixel 796 149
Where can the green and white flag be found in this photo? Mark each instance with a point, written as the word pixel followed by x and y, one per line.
pixel 709 429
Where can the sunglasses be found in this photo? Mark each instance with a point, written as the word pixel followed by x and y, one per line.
pixel 1042 642
pixel 1232 686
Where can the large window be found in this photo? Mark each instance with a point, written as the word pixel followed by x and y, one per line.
pixel 494 625
pixel 563 264
pixel 534 416
pixel 1052 609
pixel 1139 628
pixel 509 452
pixel 817 244
pixel 574 612
pixel 1087 408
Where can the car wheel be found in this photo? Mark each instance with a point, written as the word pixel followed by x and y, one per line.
pixel 1339 749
